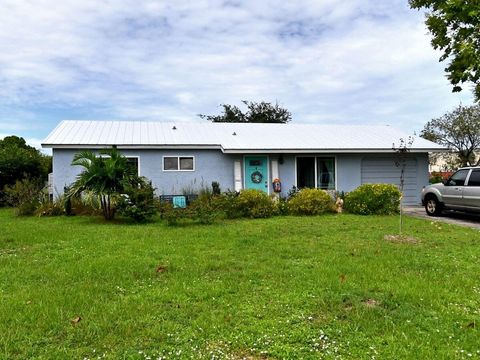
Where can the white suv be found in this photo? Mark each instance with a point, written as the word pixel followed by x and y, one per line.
pixel 460 192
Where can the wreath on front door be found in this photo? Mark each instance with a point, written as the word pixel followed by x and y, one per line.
pixel 257 177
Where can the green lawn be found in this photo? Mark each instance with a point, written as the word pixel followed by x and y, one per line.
pixel 286 287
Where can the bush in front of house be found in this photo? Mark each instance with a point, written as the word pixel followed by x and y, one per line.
pixel 373 199
pixel 310 202
pixel 49 207
pixel 170 214
pixel 281 207
pixel 88 203
pixel 199 211
pixel 209 207
pixel 25 195
pixel 254 204
pixel 226 205
pixel 138 202
pixel 205 208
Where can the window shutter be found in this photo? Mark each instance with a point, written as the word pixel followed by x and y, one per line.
pixel 275 174
pixel 237 175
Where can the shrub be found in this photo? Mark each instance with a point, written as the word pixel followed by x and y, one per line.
pixel 204 209
pixel 50 208
pixel 310 202
pixel 170 214
pixel 254 204
pixel 88 203
pixel 138 201
pixel 281 207
pixel 226 204
pixel 25 195
pixel 369 199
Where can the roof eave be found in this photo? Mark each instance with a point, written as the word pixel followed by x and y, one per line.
pixel 128 146
pixel 332 150
pixel 237 150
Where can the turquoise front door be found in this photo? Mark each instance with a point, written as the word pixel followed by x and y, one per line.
pixel 256 172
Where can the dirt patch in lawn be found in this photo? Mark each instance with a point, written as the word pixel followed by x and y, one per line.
pixel 403 239
pixel 371 303
pixel 161 269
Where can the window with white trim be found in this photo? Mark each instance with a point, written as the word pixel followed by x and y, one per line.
pixel 178 163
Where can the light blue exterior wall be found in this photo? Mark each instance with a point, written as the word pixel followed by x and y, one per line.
pixel 213 165
pixel 210 165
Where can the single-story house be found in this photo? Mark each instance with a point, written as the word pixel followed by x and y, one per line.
pixel 183 157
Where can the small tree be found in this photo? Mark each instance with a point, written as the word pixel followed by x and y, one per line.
pixel 445 161
pixel 138 201
pixel 107 175
pixel 262 112
pixel 459 130
pixel 401 156
pixel 19 161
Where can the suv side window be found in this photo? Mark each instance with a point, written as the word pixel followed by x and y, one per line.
pixel 474 179
pixel 458 179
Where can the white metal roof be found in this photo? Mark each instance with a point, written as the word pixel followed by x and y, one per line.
pixel 231 137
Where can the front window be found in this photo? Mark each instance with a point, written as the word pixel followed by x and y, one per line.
pixel 178 163
pixel 458 179
pixel 326 173
pixel 305 172
pixel 316 172
pixel 132 162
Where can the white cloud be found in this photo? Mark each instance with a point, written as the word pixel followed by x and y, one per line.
pixel 345 61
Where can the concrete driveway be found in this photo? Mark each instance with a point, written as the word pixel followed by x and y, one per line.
pixel 449 217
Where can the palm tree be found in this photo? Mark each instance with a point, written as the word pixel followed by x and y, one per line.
pixel 106 175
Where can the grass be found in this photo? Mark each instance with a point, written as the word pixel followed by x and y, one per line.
pixel 288 287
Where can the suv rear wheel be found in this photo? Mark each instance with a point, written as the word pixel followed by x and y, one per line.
pixel 432 206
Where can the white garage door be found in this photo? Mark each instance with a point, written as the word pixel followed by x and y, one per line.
pixel 383 170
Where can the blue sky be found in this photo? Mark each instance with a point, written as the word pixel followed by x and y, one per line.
pixel 348 62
